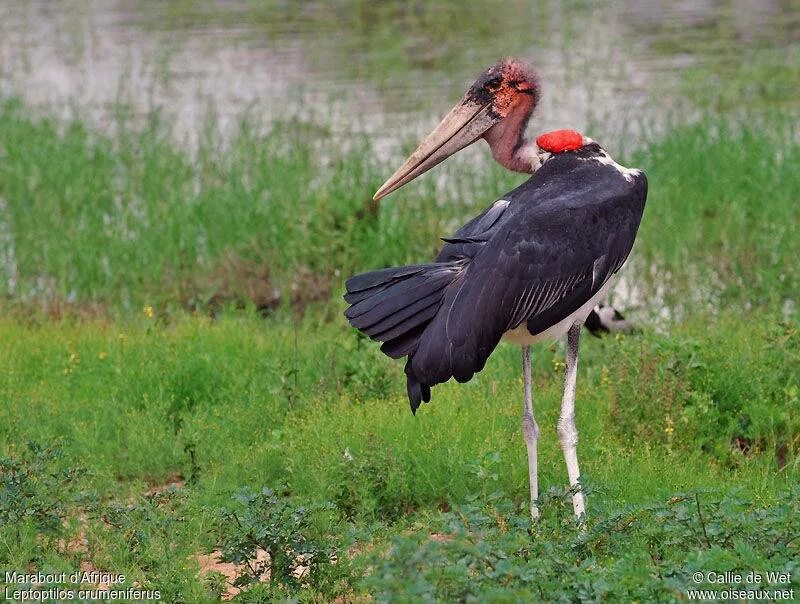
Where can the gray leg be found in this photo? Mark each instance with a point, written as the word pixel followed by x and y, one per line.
pixel 567 432
pixel 531 433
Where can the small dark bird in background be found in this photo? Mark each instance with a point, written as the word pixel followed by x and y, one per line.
pixel 531 267
pixel 606 319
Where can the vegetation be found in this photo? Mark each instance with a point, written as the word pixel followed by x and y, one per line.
pixel 183 403
pixel 168 422
pixel 284 217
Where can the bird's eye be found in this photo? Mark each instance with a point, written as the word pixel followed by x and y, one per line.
pixel 493 84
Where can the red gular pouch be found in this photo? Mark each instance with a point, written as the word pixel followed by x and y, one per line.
pixel 558 141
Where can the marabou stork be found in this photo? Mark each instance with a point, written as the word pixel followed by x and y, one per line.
pixel 529 268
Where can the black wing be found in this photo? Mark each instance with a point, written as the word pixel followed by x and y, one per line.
pixel 536 259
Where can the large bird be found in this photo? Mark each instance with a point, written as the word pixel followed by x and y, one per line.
pixel 531 267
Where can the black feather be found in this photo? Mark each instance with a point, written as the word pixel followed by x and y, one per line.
pixel 415 318
pixel 456 240
pixel 397 296
pixel 373 278
pixel 404 344
pixel 396 304
pixel 357 296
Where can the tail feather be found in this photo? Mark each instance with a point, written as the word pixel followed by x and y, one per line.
pixel 397 294
pixel 390 301
pixel 357 296
pixel 419 317
pixel 417 392
pixel 405 344
pixel 372 279
pixel 395 305
pixel 377 321
pixel 401 294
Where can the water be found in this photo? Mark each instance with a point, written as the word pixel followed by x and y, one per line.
pixel 390 69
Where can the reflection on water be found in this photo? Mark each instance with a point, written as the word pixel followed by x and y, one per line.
pixel 388 67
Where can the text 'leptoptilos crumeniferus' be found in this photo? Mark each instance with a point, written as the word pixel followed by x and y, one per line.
pixel 529 268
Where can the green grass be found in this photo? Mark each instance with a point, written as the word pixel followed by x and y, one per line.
pixel 257 407
pixel 240 402
pixel 722 210
pixel 140 221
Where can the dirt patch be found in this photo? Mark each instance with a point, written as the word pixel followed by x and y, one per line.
pixel 441 537
pixel 239 282
pixel 88 567
pixel 212 563
pixel 232 281
pixel 175 481
pixel 78 544
pixel 308 288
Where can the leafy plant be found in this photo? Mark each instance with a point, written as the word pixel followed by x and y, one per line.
pixel 645 553
pixel 147 523
pixel 37 489
pixel 271 536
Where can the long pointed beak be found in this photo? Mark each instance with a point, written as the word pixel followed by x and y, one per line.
pixel 462 126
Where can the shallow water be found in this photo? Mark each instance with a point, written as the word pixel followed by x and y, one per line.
pixel 389 68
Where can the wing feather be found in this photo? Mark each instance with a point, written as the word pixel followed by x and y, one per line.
pixel 535 258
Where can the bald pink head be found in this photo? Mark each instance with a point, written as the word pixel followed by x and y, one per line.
pixel 497 108
pixel 504 84
pixel 512 89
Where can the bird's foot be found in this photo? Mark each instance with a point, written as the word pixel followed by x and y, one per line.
pixel 578 503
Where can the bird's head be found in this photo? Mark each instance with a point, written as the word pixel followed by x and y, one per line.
pixel 496 108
